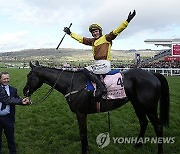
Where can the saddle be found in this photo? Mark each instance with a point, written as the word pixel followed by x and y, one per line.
pixel 113 81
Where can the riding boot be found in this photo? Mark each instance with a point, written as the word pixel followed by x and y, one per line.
pixel 100 87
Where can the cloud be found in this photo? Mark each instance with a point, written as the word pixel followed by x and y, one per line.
pixel 150 14
pixel 154 19
pixel 153 15
pixel 12 40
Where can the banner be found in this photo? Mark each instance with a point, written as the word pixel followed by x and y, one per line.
pixel 171 58
pixel 175 49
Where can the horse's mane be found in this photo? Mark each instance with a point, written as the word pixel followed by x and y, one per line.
pixel 37 65
pixel 61 69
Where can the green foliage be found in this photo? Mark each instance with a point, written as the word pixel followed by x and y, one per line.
pixel 50 127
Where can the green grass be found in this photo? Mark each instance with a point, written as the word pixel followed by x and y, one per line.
pixel 50 127
pixel 1 65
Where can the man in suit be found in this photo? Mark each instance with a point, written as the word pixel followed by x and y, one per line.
pixel 8 99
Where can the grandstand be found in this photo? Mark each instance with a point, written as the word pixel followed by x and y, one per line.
pixel 172 54
pixel 158 57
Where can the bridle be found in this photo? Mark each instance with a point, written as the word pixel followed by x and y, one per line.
pixel 50 90
pixel 66 95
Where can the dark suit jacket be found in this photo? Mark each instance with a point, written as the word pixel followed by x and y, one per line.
pixel 9 100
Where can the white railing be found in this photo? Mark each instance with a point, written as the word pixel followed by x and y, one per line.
pixel 164 71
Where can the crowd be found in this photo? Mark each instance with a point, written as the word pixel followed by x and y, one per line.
pixel 162 64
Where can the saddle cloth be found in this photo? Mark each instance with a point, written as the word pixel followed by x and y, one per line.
pixel 114 84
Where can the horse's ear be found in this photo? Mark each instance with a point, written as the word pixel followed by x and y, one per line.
pixel 31 65
pixel 37 63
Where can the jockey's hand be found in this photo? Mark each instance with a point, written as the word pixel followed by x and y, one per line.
pixel 131 16
pixel 67 30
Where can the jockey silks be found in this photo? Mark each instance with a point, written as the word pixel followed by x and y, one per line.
pixel 101 47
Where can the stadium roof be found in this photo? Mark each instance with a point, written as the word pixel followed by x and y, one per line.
pixel 163 42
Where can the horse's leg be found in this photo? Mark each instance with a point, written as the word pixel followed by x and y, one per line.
pixel 153 117
pixel 143 123
pixel 82 121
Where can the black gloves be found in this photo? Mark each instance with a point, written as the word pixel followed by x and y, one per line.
pixel 67 30
pixel 131 16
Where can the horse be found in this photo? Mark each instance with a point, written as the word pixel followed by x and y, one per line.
pixel 143 89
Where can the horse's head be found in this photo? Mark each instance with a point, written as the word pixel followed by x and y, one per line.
pixel 33 81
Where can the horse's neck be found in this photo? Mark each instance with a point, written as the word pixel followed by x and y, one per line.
pixel 55 78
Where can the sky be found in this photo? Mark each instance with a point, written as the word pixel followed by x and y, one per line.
pixel 34 24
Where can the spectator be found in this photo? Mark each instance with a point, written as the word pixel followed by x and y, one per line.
pixel 8 100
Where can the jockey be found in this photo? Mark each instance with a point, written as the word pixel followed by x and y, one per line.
pixel 101 46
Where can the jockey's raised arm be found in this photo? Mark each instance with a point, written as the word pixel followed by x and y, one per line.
pixel 101 49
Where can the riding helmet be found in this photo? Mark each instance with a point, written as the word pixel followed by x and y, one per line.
pixel 95 26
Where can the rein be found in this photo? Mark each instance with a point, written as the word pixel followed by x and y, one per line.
pixel 72 92
pixel 50 90
pixel 71 86
pixel 67 95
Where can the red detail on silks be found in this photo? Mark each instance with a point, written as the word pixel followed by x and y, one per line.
pixel 98 106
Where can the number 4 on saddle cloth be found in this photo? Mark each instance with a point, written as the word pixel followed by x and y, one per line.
pixel 113 81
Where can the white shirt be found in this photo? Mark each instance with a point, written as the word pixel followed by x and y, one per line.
pixel 7 109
